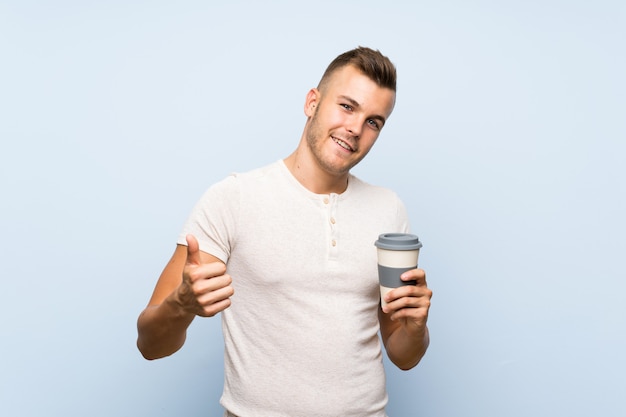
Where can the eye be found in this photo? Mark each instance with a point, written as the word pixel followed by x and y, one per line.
pixel 346 106
pixel 373 123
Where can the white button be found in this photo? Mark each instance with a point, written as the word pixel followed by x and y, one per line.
pixel 334 243
pixel 332 220
pixel 325 200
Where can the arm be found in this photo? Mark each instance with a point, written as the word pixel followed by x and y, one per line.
pixel 403 321
pixel 193 283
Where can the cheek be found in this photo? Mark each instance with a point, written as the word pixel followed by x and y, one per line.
pixel 334 118
pixel 368 137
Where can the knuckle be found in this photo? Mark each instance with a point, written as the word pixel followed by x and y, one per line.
pixel 218 269
pixel 231 291
pixel 193 275
pixel 196 290
pixel 214 309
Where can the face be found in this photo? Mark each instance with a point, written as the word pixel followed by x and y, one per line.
pixel 346 117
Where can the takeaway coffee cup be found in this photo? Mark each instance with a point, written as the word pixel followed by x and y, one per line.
pixel 397 253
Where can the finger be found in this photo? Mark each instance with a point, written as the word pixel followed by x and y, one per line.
pixel 213 309
pixel 193 250
pixel 213 297
pixel 407 296
pixel 395 304
pixel 207 278
pixel 417 275
pixel 408 304
pixel 417 316
pixel 421 301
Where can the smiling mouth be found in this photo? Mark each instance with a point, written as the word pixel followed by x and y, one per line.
pixel 343 144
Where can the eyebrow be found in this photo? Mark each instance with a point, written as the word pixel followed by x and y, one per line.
pixel 356 104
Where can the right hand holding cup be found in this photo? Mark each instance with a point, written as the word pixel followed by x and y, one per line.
pixel 397 254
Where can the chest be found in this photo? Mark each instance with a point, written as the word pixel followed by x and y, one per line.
pixel 314 244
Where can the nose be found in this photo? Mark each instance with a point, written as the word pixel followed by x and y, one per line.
pixel 354 126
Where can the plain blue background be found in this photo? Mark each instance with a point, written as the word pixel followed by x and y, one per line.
pixel 507 145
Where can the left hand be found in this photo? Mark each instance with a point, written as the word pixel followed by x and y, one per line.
pixel 409 304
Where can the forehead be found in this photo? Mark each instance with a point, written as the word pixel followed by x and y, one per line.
pixel 348 81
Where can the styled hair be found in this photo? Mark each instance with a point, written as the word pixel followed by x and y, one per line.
pixel 371 63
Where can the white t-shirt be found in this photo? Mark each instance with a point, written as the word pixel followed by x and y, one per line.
pixel 301 334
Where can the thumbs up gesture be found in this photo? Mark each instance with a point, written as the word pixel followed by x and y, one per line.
pixel 206 288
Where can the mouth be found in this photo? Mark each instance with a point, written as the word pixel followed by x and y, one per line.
pixel 343 144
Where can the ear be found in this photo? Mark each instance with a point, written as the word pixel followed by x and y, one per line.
pixel 311 102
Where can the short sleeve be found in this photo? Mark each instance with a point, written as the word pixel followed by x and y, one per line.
pixel 213 219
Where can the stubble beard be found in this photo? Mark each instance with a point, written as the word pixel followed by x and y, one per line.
pixel 316 139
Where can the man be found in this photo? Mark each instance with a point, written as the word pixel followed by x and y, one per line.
pixel 286 254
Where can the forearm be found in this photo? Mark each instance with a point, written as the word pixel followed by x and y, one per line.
pixel 162 329
pixel 405 349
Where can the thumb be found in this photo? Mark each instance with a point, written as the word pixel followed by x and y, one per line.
pixel 193 250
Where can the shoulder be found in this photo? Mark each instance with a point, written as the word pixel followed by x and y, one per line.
pixel 235 180
pixel 369 198
pixel 363 189
pixel 272 170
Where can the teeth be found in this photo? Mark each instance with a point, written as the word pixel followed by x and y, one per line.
pixel 342 144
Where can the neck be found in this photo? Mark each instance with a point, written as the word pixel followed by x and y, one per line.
pixel 312 177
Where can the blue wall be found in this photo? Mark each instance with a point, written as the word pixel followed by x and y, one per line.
pixel 507 145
